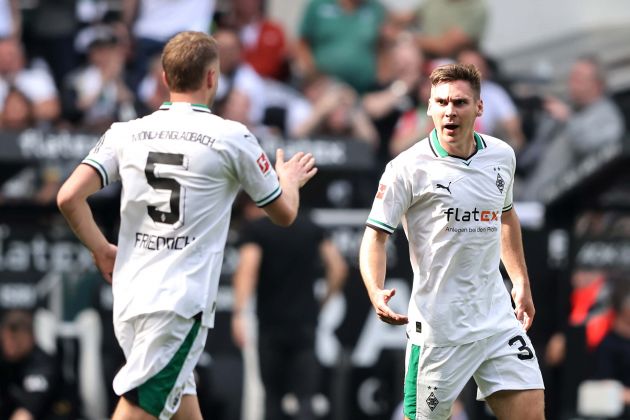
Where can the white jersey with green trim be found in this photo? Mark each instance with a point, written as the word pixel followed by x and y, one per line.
pixel 450 209
pixel 181 168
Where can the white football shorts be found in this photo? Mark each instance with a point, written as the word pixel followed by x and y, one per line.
pixel 161 349
pixel 435 376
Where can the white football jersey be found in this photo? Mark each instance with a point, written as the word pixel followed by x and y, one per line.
pixel 450 209
pixel 181 168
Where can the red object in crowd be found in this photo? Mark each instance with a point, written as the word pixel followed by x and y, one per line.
pixel 589 309
pixel 267 56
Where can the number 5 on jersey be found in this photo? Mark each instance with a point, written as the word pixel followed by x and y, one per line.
pixel 165 183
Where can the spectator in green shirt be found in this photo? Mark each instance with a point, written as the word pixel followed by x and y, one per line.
pixel 340 38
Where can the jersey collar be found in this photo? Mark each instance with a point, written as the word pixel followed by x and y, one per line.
pixel 195 107
pixel 438 150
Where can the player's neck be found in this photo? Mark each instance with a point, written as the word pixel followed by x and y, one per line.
pixel 463 147
pixel 190 97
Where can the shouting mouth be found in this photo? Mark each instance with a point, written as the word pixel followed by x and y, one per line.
pixel 450 128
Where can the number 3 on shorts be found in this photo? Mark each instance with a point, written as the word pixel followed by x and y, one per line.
pixel 526 352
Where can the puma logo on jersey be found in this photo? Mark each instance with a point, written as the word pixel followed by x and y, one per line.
pixel 447 188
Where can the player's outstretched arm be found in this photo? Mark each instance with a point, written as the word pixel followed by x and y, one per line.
pixel 293 174
pixel 72 202
pixel 373 265
pixel 513 259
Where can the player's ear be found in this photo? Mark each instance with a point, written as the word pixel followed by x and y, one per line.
pixel 479 108
pixel 210 78
pixel 429 104
pixel 164 79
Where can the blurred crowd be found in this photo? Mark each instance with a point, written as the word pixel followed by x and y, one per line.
pixel 355 69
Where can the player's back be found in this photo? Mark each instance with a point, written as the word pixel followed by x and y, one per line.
pixel 177 173
pixel 180 168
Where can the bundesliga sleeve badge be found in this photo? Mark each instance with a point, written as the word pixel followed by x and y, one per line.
pixel 263 163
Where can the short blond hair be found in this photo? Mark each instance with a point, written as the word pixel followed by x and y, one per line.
pixel 453 72
pixel 185 59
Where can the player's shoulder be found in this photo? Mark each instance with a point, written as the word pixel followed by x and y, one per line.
pixel 232 129
pixel 129 126
pixel 237 136
pixel 418 153
pixel 116 133
pixel 496 145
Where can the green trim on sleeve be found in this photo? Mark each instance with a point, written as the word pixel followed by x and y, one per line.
pixel 99 168
pixel 380 225
pixel 269 198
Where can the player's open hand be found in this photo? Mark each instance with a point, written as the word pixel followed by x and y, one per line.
pixel 300 168
pixel 524 304
pixel 104 260
pixel 380 301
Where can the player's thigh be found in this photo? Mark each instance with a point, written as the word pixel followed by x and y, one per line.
pixel 160 362
pixel 510 364
pixel 125 409
pixel 435 376
pixel 188 409
pixel 518 405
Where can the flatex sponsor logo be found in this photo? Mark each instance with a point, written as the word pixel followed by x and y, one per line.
pixel 474 215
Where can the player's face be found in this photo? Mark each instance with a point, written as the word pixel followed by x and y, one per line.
pixel 454 108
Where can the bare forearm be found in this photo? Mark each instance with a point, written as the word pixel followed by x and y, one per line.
pixel 291 195
pixel 372 261
pixel 81 221
pixel 72 202
pixel 373 264
pixel 284 209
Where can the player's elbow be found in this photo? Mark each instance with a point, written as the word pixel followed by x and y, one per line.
pixel 284 219
pixel 65 199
